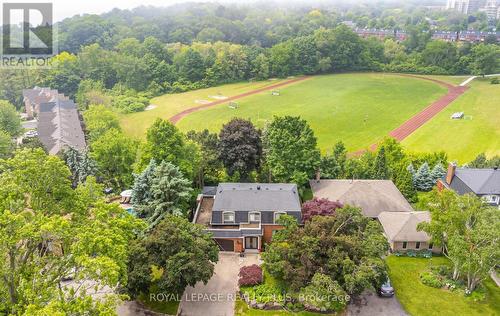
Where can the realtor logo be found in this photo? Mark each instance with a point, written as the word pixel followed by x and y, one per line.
pixel 28 34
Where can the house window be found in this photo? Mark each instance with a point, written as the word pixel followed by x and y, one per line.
pixel 417 245
pixel 228 217
pixel 405 244
pixel 254 217
pixel 430 246
pixel 493 199
pixel 277 216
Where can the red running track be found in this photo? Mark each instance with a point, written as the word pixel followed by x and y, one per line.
pixel 176 118
pixel 425 115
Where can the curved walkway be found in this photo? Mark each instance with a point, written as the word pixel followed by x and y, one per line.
pixel 176 118
pixel 415 122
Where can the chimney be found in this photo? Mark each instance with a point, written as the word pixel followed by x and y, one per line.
pixel 451 172
pixel 318 176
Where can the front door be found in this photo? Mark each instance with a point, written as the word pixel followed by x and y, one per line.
pixel 251 243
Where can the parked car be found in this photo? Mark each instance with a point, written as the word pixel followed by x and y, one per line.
pixel 386 289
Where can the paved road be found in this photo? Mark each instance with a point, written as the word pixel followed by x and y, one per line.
pixel 216 298
pixel 370 304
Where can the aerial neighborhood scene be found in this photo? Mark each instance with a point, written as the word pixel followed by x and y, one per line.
pixel 249 157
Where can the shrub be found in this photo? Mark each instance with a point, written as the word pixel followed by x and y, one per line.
pixel 263 293
pixel 323 294
pixel 250 275
pixel 442 270
pixel 429 279
pixel 495 80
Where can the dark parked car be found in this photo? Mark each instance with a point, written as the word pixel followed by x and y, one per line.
pixel 386 289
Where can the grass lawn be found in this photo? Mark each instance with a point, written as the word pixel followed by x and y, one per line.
pixel 464 139
pixel 456 80
pixel 169 307
pixel 358 108
pixel 136 124
pixel 419 299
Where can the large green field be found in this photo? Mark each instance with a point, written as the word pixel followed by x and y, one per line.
pixel 464 139
pixel 358 109
pixel 168 105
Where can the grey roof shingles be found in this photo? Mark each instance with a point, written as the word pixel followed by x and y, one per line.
pixel 478 181
pixel 257 197
pixel 59 126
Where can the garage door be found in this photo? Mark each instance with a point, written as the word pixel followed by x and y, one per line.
pixel 225 244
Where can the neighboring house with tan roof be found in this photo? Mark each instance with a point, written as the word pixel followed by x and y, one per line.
pixel 372 196
pixel 400 229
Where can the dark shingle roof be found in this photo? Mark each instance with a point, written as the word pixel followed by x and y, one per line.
pixel 59 126
pixel 478 181
pixel 257 197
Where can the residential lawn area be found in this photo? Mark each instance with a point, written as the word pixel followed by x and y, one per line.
pixel 358 108
pixel 136 124
pixel 463 139
pixel 169 308
pixel 419 299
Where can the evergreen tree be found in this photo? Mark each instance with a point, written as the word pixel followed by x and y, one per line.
pixel 423 178
pixel 438 172
pixel 170 193
pixel 80 164
pixel 411 170
pixel 141 190
pixel 340 155
pixel 404 183
pixel 380 168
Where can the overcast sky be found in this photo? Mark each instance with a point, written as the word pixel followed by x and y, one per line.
pixel 69 8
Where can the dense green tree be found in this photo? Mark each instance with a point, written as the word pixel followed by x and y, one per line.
pixel 423 178
pixel 290 149
pixel 160 190
pixel 404 183
pixel 381 171
pixel 347 247
pixel 6 144
pixel 164 142
pixel 80 164
pixel 441 54
pixel 180 252
pixel 438 172
pixel 114 154
pixel 467 229
pixel 481 161
pixel 320 294
pixel 240 147
pixel 211 167
pixel 98 120
pixel 190 65
pixel 9 119
pixel 485 59
pixel 47 236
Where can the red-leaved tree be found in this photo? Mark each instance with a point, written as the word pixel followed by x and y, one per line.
pixel 250 275
pixel 321 207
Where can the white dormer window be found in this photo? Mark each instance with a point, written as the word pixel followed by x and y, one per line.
pixel 493 199
pixel 254 217
pixel 277 216
pixel 228 217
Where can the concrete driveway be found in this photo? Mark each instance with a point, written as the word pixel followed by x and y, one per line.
pixel 217 297
pixel 370 304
